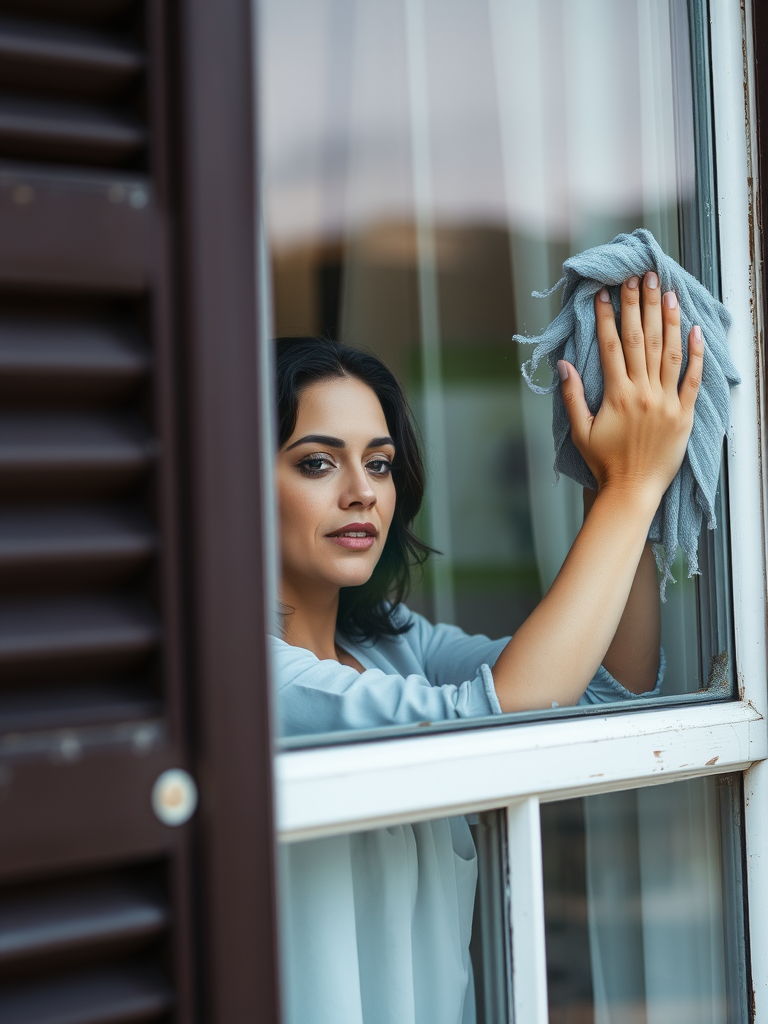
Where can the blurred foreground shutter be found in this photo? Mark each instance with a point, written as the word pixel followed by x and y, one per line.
pixel 222 329
pixel 108 526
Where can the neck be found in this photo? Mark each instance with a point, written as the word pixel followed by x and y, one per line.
pixel 310 619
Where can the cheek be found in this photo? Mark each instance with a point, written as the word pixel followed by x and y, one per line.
pixel 386 502
pixel 301 507
pixel 292 509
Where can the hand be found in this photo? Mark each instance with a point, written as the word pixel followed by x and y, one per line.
pixel 637 440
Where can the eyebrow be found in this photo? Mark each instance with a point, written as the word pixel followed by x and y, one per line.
pixel 336 442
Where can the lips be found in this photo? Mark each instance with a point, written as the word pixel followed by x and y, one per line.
pixel 355 536
pixel 355 530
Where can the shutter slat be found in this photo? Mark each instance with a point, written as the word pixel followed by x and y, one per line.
pixel 73 12
pixel 81 799
pixel 58 227
pixel 102 355
pixel 39 450
pixel 51 540
pixel 72 705
pixel 33 130
pixel 118 996
pixel 34 54
pixel 74 630
pixel 77 916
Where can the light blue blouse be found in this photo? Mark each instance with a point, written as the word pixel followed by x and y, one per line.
pixel 376 925
pixel 431 673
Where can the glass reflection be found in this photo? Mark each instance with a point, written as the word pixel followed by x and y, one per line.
pixel 643 906
pixel 427 165
pixel 405 924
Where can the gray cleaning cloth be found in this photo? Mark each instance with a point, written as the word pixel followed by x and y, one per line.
pixel 572 336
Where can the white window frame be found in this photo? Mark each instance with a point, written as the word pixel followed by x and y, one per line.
pixel 331 790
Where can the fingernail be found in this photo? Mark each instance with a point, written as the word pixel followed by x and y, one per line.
pixel 603 295
pixel 562 369
pixel 670 300
pixel 651 280
pixel 697 335
pixel 633 282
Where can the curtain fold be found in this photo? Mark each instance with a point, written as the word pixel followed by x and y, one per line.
pixel 376 926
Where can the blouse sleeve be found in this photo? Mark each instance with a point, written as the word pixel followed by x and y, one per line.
pixel 605 689
pixel 323 696
pixel 449 653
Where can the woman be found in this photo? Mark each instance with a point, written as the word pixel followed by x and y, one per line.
pixel 349 482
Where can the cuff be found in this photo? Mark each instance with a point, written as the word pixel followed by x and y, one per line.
pixel 490 690
pixel 605 689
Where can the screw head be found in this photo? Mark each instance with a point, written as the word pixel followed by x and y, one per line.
pixel 174 797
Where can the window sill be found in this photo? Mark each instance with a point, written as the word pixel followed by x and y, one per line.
pixel 371 785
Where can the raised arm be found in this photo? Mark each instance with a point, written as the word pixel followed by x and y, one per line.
pixel 634 446
pixel 633 657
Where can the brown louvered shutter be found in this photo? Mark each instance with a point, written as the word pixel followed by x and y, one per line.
pixel 101 906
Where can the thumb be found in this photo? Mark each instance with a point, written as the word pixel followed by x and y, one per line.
pixel 572 390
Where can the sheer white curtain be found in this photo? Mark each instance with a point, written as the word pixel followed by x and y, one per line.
pixel 533 177
pixel 654 881
pixel 376 926
pixel 587 122
pixel 586 131
pixel 586 118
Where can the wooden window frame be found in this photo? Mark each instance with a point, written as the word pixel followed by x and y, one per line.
pixel 227 427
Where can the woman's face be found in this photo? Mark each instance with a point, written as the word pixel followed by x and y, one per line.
pixel 335 489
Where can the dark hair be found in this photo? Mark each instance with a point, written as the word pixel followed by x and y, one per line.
pixel 365 612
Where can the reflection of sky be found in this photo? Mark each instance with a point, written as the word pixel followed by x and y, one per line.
pixel 543 113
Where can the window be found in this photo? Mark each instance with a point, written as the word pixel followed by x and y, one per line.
pixel 425 167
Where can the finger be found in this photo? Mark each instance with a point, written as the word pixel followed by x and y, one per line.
pixel 572 389
pixel 672 352
pixel 652 326
pixel 689 388
pixel 632 338
pixel 609 342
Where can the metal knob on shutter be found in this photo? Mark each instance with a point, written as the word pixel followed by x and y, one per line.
pixel 174 797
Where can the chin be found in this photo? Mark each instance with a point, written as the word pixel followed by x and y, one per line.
pixel 355 578
pixel 353 581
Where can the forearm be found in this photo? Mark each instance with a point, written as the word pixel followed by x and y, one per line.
pixel 556 652
pixel 633 656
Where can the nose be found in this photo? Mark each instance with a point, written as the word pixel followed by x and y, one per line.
pixel 358 491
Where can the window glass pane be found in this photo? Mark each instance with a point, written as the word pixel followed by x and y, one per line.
pixel 643 902
pixel 401 924
pixel 427 165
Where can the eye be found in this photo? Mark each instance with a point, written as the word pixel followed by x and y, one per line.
pixel 379 467
pixel 315 465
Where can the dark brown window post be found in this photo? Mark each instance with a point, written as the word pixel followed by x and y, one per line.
pixel 221 338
